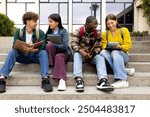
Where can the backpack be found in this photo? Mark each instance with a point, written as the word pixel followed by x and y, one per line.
pixel 82 30
pixel 121 32
pixel 21 33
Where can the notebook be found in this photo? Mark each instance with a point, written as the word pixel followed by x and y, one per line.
pixel 57 39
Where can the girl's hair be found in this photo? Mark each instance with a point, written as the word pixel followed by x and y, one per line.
pixel 111 17
pixel 29 16
pixel 55 17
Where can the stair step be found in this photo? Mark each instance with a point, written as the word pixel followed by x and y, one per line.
pixel 137 47
pixel 134 57
pixel 139 57
pixel 34 79
pixel 90 93
pixel 139 66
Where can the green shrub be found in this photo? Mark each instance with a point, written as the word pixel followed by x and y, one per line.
pixel 139 34
pixel 6 26
pixel 146 10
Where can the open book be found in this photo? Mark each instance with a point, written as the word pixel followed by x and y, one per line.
pixel 24 47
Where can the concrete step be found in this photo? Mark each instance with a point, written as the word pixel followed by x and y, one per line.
pixel 90 93
pixel 34 79
pixel 87 68
pixel 139 57
pixel 138 46
pixel 134 57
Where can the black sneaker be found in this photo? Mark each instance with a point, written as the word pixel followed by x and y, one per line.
pixel 104 85
pixel 2 85
pixel 46 86
pixel 79 85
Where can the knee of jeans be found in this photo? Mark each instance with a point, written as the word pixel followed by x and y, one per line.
pixel 13 52
pixel 99 58
pixel 42 53
pixel 115 54
pixel 49 46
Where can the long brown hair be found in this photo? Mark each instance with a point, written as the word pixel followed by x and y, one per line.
pixel 111 17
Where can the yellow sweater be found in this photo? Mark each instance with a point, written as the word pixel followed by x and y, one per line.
pixel 125 42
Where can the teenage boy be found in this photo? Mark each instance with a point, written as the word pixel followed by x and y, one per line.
pixel 86 45
pixel 28 34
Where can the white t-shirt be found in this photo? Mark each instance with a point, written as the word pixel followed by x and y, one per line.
pixel 29 38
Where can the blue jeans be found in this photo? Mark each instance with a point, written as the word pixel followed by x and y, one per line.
pixel 117 60
pixel 17 56
pixel 97 60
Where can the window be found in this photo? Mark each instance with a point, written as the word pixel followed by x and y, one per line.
pixel 45 10
pixel 81 11
pixel 123 0
pixel 12 12
pixel 114 8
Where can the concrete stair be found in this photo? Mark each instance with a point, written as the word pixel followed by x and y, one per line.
pixel 24 80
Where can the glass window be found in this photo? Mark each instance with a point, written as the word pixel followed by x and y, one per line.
pixel 43 0
pixel 58 0
pixel 82 11
pixel 123 0
pixel 45 10
pixel 44 28
pixel 30 7
pixel 25 0
pixel 127 5
pixel 13 13
pixel 109 0
pixel 11 0
pixel 63 13
pixel 114 8
pixel 76 0
pixel 91 0
pixel 129 17
pixel 19 26
pixel 121 20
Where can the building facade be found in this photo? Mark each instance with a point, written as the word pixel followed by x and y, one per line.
pixel 73 12
pixel 140 23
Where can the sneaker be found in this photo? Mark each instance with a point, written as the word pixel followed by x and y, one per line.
pixel 2 85
pixel 104 85
pixel 79 85
pixel 46 86
pixel 130 71
pixel 62 85
pixel 120 84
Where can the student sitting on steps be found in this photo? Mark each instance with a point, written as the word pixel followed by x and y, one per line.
pixel 86 45
pixel 116 43
pixel 28 55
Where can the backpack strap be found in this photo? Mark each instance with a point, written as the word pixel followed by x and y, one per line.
pixel 36 32
pixel 82 30
pixel 121 32
pixel 20 34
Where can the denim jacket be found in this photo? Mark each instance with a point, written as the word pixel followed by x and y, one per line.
pixel 63 48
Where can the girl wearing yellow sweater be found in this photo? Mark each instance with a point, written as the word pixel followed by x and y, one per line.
pixel 116 43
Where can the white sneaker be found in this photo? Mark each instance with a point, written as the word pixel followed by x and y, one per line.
pixel 130 71
pixel 120 84
pixel 62 85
